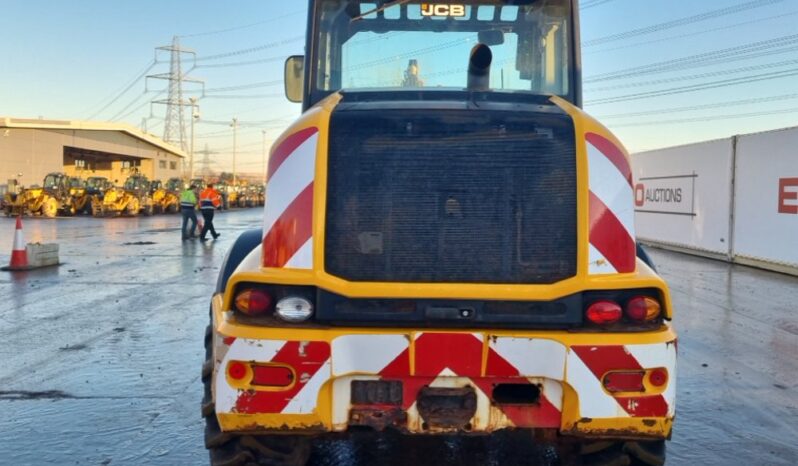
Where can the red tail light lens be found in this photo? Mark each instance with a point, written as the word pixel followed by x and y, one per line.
pixel 604 312
pixel 253 302
pixel 237 370
pixel 658 377
pixel 642 309
pixel 272 376
pixel 624 381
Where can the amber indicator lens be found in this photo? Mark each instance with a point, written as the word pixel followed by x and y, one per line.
pixel 253 302
pixel 642 309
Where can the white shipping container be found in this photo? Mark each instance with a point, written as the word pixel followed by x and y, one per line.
pixel 766 198
pixel 683 196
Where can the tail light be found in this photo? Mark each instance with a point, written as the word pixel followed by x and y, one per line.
pixel 604 312
pixel 624 381
pixel 266 375
pixel 253 302
pixel 272 376
pixel 642 309
pixel 658 377
pixel 237 370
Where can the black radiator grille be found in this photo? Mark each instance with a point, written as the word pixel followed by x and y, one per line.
pixel 460 196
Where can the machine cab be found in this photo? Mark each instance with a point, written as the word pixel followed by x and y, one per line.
pixel 354 45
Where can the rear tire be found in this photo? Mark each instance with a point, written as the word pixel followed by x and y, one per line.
pixel 226 449
pixel 632 452
pixel 643 255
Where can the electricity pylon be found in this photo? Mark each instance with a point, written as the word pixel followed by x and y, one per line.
pixel 174 129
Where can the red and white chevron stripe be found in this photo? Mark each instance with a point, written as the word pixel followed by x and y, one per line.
pixel 587 365
pixel 612 231
pixel 288 213
pixel 311 360
pixel 450 359
pixel 440 359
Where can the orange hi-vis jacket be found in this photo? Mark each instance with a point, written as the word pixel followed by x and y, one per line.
pixel 210 199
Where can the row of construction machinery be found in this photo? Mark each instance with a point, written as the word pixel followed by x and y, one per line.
pixel 65 195
pixel 240 195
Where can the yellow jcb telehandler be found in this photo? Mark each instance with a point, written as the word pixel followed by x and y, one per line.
pixel 165 198
pixel 130 200
pixel 51 199
pixel 81 199
pixel 452 253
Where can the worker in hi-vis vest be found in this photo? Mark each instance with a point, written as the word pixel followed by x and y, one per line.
pixel 188 203
pixel 210 200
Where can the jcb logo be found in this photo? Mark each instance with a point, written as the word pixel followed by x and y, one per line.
pixel 428 9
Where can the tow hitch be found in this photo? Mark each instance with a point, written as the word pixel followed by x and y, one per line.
pixel 447 408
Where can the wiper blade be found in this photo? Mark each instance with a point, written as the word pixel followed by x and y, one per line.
pixel 379 9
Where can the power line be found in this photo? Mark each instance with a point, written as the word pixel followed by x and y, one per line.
pixel 123 90
pixel 213 134
pixel 227 132
pixel 587 5
pixel 244 96
pixel 680 22
pixel 732 103
pixel 120 116
pixel 243 63
pixel 740 52
pixel 697 87
pixel 247 123
pixel 708 118
pixel 130 104
pixel 711 74
pixel 229 148
pixel 693 34
pixel 258 48
pixel 241 87
pixel 258 108
pixel 245 26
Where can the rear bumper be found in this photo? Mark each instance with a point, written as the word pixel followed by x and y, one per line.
pixel 560 374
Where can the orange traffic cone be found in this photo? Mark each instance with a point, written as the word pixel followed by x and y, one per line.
pixel 19 255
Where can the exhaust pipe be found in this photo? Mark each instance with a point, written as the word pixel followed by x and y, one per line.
pixel 479 68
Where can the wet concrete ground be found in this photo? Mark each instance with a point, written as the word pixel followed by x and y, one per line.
pixel 100 357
